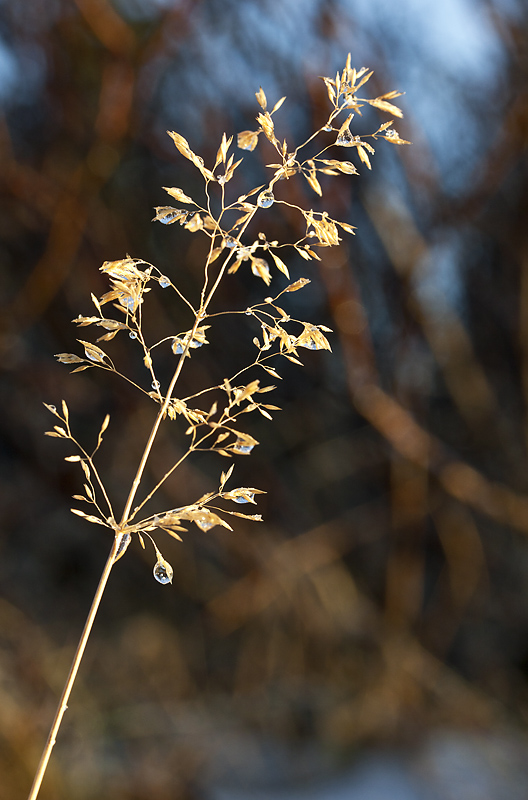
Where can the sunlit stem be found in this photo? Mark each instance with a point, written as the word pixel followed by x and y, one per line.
pixel 79 652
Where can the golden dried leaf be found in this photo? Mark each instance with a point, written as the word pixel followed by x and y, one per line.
pixel 347 228
pixel 294 287
pixel 93 352
pixel 383 105
pixel 89 517
pixel 280 264
pixel 276 108
pixel 247 391
pixel 260 268
pixel 194 224
pixel 347 167
pixel 167 215
pixel 266 123
pixel 179 195
pixel 261 98
pixel 214 254
pixel 182 144
pixel 247 140
pixel 314 183
pixel 362 153
pixel 68 358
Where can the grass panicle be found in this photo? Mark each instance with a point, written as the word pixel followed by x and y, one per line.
pixel 215 419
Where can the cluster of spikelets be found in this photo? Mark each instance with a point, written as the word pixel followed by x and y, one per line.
pixel 225 221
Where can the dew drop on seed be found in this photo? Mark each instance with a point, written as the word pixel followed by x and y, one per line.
pixel 243 449
pixel 265 199
pixel 244 498
pixel 52 409
pixel 125 541
pixel 164 282
pixel 204 523
pixel 345 139
pixel 155 385
pixel 132 335
pixel 230 242
pixel 248 312
pixel 328 128
pixel 163 572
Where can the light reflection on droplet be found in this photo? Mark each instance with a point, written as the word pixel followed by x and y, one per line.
pixel 244 498
pixel 132 335
pixel 242 449
pixel 265 199
pixel 345 139
pixel 155 385
pixel 163 571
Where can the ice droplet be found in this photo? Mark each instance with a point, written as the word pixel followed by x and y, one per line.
pixel 265 199
pixel 164 282
pixel 163 571
pixel 345 139
pixel 155 385
pixel 132 335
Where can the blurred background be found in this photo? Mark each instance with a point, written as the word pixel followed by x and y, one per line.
pixel 372 632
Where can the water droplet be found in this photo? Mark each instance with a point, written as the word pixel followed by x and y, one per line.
pixel 265 199
pixel 345 139
pixel 242 449
pixel 163 571
pixel 133 335
pixel 391 134
pixel 123 544
pixel 166 219
pixel 204 523
pixel 230 242
pixel 244 498
pixel 155 385
pixel 248 312
pixel 164 282
pixel 221 179
pixel 328 128
pixel 177 347
pixel 52 409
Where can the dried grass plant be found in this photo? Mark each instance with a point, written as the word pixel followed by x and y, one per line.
pixel 215 417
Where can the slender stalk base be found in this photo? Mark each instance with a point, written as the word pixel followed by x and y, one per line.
pixel 63 703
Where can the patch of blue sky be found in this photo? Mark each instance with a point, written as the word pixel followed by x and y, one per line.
pixel 447 56
pixel 8 71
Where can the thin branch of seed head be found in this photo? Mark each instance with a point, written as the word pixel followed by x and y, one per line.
pixel 94 469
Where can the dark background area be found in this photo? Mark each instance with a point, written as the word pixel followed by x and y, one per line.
pixel 384 596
